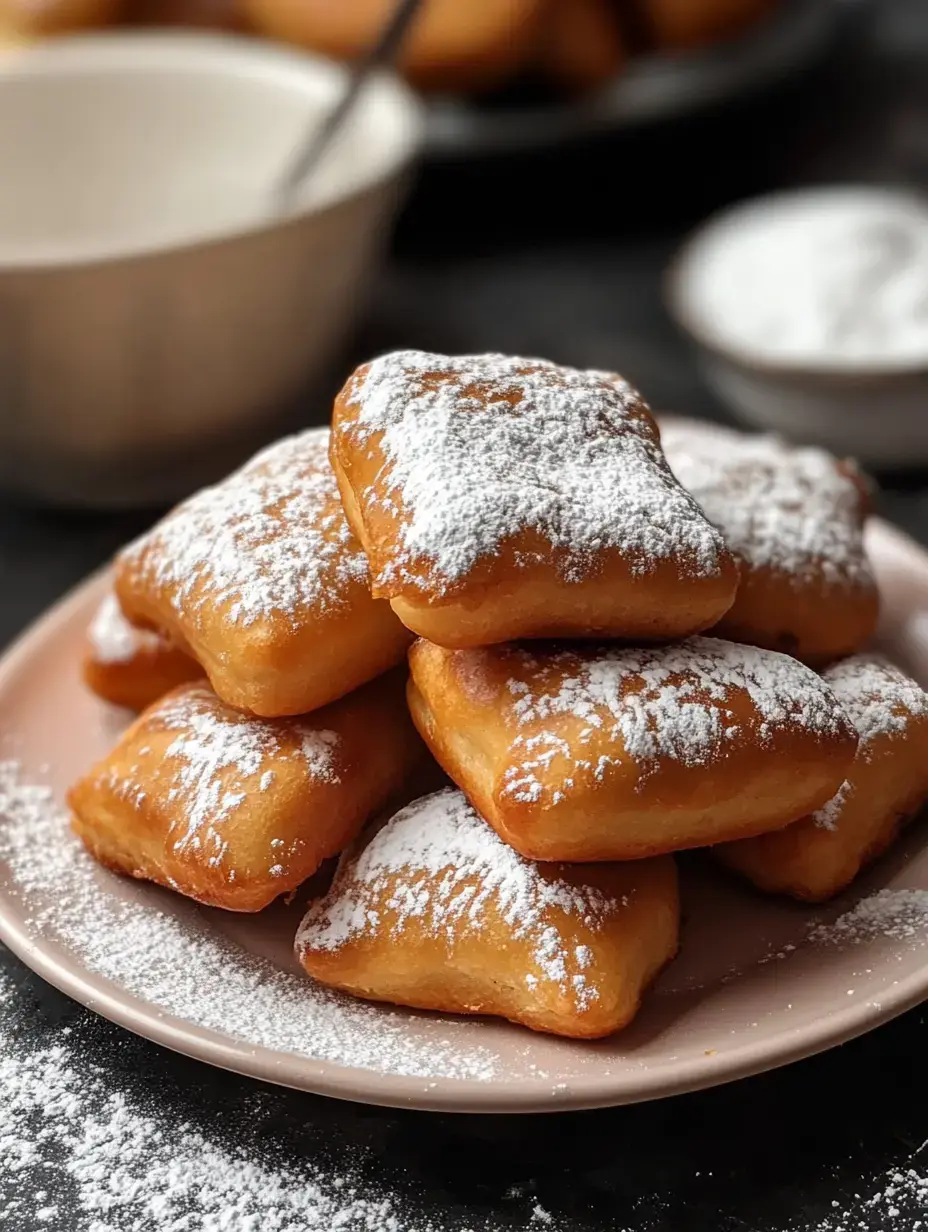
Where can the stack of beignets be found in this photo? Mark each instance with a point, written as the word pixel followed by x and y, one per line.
pixel 520 517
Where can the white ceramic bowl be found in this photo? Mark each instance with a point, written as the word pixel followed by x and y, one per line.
pixel 877 412
pixel 156 309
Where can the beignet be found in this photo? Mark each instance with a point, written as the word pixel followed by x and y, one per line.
pixel 581 45
pixel 794 518
pixel 262 579
pixel 819 856
pixel 232 810
pixel 131 667
pixel 433 910
pixel 610 753
pixel 451 46
pixel 500 498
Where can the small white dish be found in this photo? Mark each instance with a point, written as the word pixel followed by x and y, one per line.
pixel 810 327
pixel 155 307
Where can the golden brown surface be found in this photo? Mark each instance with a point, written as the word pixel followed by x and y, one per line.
pixel 452 46
pixel 233 811
pixel 581 45
pixel 500 450
pixel 131 667
pixel 611 754
pixel 819 856
pixel 262 580
pixel 559 948
pixel 217 14
pixel 817 623
pixel 681 24
pixel 56 16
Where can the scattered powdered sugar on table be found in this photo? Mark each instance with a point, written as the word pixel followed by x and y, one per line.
pixel 903 1195
pixel 480 448
pixel 271 539
pixel 83 1152
pixel 647 704
pixel 880 700
pixel 175 961
pixel 112 638
pixel 442 865
pixel 779 507
pixel 899 915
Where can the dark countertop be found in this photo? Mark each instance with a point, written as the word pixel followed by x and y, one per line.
pixel 786 1152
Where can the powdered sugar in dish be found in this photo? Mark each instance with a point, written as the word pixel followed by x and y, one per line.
pixel 175 960
pixel 832 278
pixel 652 704
pixel 789 509
pixel 112 639
pixel 481 448
pixel 443 866
pixel 880 700
pixel 271 540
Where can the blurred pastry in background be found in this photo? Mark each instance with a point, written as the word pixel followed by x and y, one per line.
pixel 575 45
pixel 451 46
pixel 213 14
pixel 26 17
pixel 581 44
pixel 682 24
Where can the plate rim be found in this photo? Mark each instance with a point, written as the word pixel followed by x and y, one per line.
pixel 62 968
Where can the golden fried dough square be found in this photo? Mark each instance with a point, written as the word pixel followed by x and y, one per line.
pixel 502 498
pixel 264 583
pixel 794 518
pixel 612 753
pixel 131 667
pixel 232 810
pixel 819 856
pixel 433 910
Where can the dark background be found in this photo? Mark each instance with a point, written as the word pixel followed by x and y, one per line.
pixel 562 257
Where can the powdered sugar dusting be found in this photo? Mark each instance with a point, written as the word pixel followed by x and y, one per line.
pixel 481 448
pixel 221 756
pixel 444 866
pixel 779 507
pixel 652 704
pixel 176 960
pixel 271 540
pixel 112 639
pixel 87 1147
pixel 900 915
pixel 880 700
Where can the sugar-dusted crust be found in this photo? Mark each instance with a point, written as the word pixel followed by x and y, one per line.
pixel 262 580
pixel 434 910
pixel 499 498
pixel 819 856
pixel 131 667
pixel 794 518
pixel 232 810
pixel 605 753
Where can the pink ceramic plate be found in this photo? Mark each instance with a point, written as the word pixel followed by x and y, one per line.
pixel 756 985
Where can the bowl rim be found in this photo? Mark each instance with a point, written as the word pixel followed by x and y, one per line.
pixel 753 361
pixel 120 53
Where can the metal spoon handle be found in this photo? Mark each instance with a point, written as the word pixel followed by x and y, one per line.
pixel 381 54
